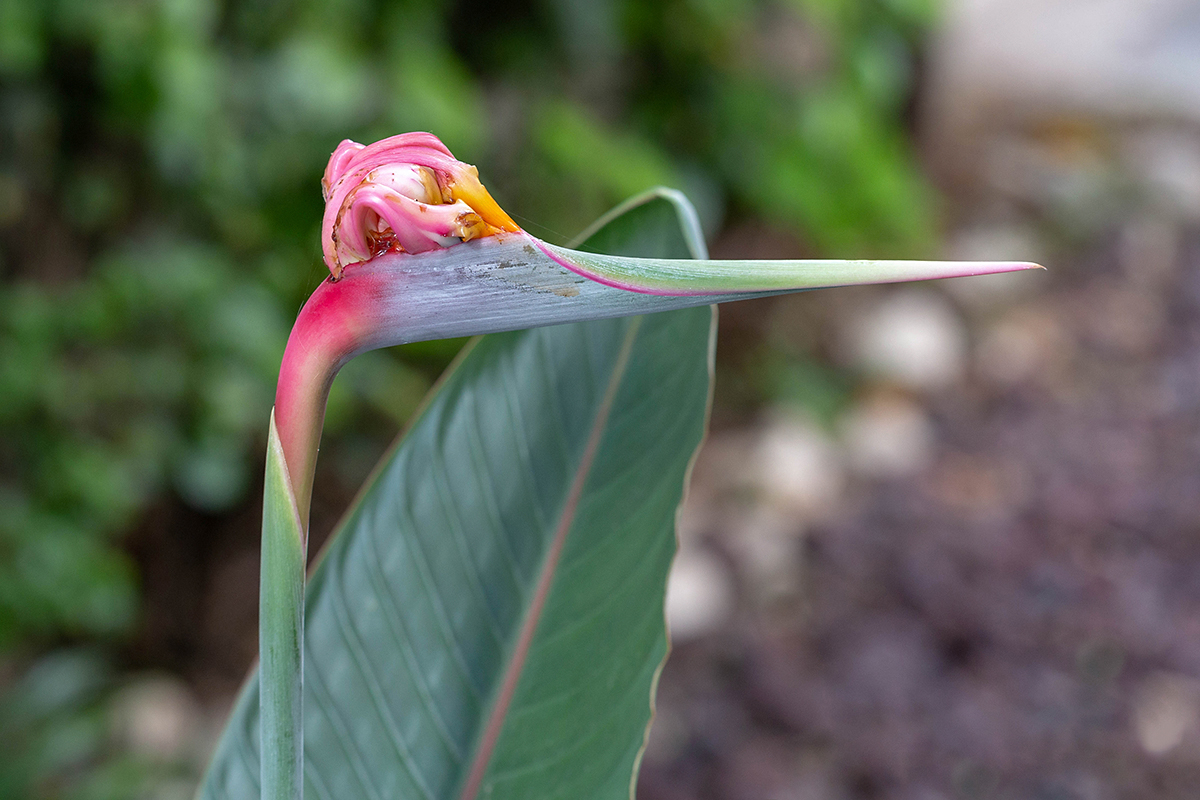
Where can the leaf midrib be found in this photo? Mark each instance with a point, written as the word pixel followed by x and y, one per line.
pixel 566 519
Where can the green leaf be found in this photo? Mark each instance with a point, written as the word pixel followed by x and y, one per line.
pixel 488 619
pixel 660 223
pixel 281 629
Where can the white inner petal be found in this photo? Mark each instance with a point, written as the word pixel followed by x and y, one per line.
pixel 410 180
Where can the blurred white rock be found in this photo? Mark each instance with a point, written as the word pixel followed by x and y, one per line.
pixel 797 468
pixel 1165 710
pixel 700 594
pixel 887 436
pixel 1029 340
pixel 755 489
pixel 912 336
pixel 767 545
pixel 159 718
pixel 1009 353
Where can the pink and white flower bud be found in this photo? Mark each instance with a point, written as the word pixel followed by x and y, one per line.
pixel 406 193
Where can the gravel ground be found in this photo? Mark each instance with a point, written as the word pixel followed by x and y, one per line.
pixel 1011 612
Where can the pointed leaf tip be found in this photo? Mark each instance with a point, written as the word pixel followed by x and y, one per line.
pixel 686 277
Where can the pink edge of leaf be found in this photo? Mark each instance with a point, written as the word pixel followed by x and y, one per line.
pixel 602 279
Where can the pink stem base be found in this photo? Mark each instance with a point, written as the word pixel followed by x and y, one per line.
pixel 337 323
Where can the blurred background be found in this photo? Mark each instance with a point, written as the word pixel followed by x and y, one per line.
pixel 944 540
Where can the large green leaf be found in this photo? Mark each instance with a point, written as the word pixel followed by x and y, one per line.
pixel 488 620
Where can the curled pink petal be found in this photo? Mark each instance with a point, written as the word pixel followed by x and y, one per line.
pixel 337 165
pixel 406 192
pixel 404 228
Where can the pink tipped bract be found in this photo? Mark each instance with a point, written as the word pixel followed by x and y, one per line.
pixel 405 193
pixel 395 212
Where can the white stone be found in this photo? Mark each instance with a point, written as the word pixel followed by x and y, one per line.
pixel 1165 710
pixel 888 436
pixel 1027 341
pixel 797 467
pixel 158 717
pixel 767 545
pixel 914 337
pixel 700 594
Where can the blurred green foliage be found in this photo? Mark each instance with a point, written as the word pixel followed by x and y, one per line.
pixel 160 204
